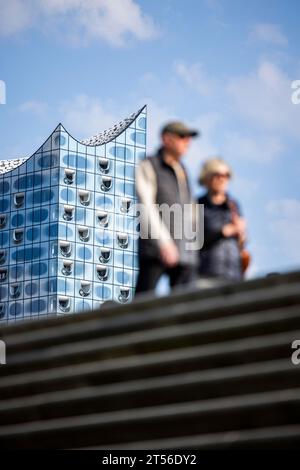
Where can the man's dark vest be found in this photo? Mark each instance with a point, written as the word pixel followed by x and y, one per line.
pixel 168 192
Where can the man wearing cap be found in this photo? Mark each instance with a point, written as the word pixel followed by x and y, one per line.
pixel 161 180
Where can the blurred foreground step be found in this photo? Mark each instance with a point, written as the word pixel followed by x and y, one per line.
pixel 202 368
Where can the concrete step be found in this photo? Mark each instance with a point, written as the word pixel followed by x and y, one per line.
pixel 158 339
pixel 182 387
pixel 157 364
pixel 198 369
pixel 201 417
pixel 187 311
pixel 146 302
pixel 281 437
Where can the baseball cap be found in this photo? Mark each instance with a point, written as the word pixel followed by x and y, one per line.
pixel 179 128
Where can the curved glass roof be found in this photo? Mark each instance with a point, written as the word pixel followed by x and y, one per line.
pixel 113 132
pixel 98 139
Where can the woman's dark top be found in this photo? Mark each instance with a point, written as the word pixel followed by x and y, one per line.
pixel 220 256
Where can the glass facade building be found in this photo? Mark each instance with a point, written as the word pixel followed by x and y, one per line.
pixel 68 232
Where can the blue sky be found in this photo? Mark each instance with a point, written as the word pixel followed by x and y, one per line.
pixel 224 66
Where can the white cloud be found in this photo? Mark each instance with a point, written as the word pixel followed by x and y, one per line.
pixel 39 108
pixel 195 77
pixel 270 33
pixel 264 98
pixel 15 16
pixel 79 21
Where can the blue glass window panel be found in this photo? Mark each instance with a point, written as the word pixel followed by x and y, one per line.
pixel 120 169
pixel 74 160
pixel 22 169
pixel 3 293
pixel 44 250
pixel 120 139
pixel 4 187
pixel 3 314
pixel 72 144
pixel 4 239
pixel 47 178
pixel 90 163
pixel 90 181
pixel 44 284
pixel 33 234
pixel 53 212
pixel 90 218
pixel 119 257
pixel 79 214
pixel 37 216
pixel 27 310
pixel 83 305
pixel 64 195
pixel 104 238
pixel 121 152
pixel 29 165
pixel 70 231
pixel 84 253
pixel 16 272
pixel 81 148
pixel 119 223
pixel 140 154
pixel 139 138
pixel 52 305
pixel 68 195
pixel 47 145
pixel 52 285
pixel 17 220
pixel 142 122
pixel 60 140
pixel 80 178
pixel 50 231
pixel 128 260
pixel 70 286
pixel 61 286
pixel 129 189
pixel 31 289
pixel 104 202
pixel 122 277
pixel 129 172
pixel 79 269
pixel 62 233
pixel 16 309
pixel 27 254
pixel 103 292
pixel 88 271
pixel 54 176
pixel 47 160
pixel 52 267
pixel 4 205
pixel 38 269
pixel 119 187
pixel 38 306
pixel 40 197
pixel 33 180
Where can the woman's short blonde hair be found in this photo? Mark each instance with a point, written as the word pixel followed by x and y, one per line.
pixel 213 165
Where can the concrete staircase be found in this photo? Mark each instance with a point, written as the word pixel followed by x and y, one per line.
pixel 199 369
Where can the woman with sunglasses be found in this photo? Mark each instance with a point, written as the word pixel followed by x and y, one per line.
pixel 224 228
